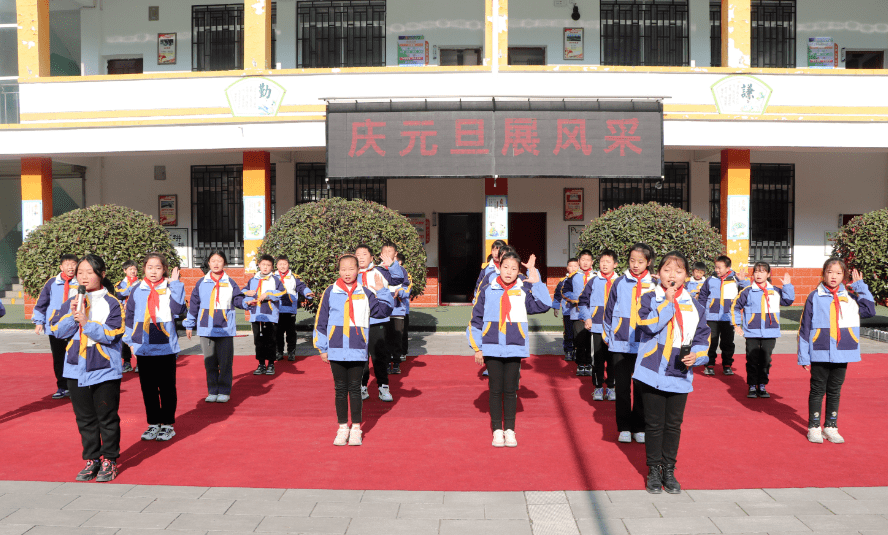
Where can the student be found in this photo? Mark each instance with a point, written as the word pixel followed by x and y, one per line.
pixel 717 294
pixel 286 325
pixel 400 320
pixel 340 334
pixel 498 335
pixel 829 337
pixel 123 289
pixel 592 303
pixel 151 312
pixel 573 287
pixel 559 303
pixel 492 264
pixel 212 310
pixel 56 291
pixel 696 282
pixel 92 366
pixel 381 335
pixel 267 292
pixel 2 310
pixel 619 327
pixel 674 337
pixel 756 316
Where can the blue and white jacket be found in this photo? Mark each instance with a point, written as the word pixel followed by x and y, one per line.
pixel 393 276
pixel 662 337
pixel 573 288
pixel 147 337
pixel 330 333
pixel 621 313
pixel 124 289
pixel 2 310
pixel 593 301
pixel 50 301
pixel 718 297
pixel 760 318
pixel 693 286
pixel 269 309
pixel 824 335
pixel 401 295
pixel 93 354
pixel 496 336
pixel 484 276
pixel 295 287
pixel 214 320
pixel 558 302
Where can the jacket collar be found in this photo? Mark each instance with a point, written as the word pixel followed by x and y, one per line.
pixel 823 290
pixel 647 278
pixel 224 278
pixel 163 284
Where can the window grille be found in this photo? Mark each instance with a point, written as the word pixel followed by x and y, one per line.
pixel 615 192
pixel 217 37
pixel 645 32
pixel 773 36
pixel 311 186
pixel 341 33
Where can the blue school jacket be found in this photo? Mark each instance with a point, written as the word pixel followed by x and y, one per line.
pixel 485 332
pixel 124 288
pixel 484 276
pixel 558 301
pixel 661 340
pixel 393 276
pixel 401 294
pixel 214 320
pixel 50 301
pixel 750 310
pixel 294 288
pixel 593 301
pixel 718 297
pixel 330 334
pixel 93 355
pixel 621 313
pixel 147 337
pixel 693 285
pixel 573 287
pixel 2 310
pixel 820 326
pixel 268 310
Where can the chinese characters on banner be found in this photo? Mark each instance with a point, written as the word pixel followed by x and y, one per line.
pixel 255 97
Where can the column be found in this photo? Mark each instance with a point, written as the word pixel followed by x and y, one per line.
pixel 257 35
pixel 735 187
pixel 502 31
pixel 736 28
pixel 33 38
pixel 496 212
pixel 257 204
pixel 36 193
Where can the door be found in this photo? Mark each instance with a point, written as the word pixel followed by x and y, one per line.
pixel 125 66
pixel 870 59
pixel 460 255
pixel 527 234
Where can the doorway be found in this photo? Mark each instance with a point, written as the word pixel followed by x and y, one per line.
pixel 460 253
pixel 527 234
pixel 864 59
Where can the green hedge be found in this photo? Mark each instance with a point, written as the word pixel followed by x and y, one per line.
pixel 115 233
pixel 314 235
pixel 664 228
pixel 863 244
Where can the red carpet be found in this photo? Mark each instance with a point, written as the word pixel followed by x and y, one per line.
pixel 278 431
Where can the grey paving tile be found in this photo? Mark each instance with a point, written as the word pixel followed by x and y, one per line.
pixel 403 496
pixel 270 508
pixel 91 489
pixel 873 532
pixel 385 526
pixel 48 517
pixel 856 507
pixel 123 519
pixel 845 522
pixel 555 528
pixel 669 526
pixel 759 524
pixel 587 496
pixel 636 496
pixel 799 495
pixel 807 507
pixel 106 503
pixel 356 510
pixel 505 511
pixel 297 524
pixel 51 530
pixel 7 510
pixel 550 513
pixel 28 487
pixel 240 493
pixel 537 497
pixel 322 495
pixel 14 529
pixel 671 510
pixel 35 501
pixel 739 495
pixel 867 493
pixel 485 527
pixel 512 498
pixel 216 522
pixel 182 505
pixel 601 526
pixel 615 510
pixel 149 531
pixel 441 511
pixel 166 491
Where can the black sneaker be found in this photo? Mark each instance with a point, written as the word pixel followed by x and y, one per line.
pixel 291 355
pixel 108 471
pixel 59 394
pixel 570 356
pixel 136 369
pixel 728 371
pixel 581 371
pixel 753 392
pixel 763 392
pixel 260 370
pixel 396 368
pixel 270 369
pixel 589 371
pixel 89 471
pixel 708 370
pixel 127 367
pixel 403 358
pixel 279 356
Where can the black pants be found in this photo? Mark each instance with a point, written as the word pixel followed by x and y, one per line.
pixel 582 341
pixel 602 356
pixel 286 326
pixel 218 359
pixel 502 381
pixel 629 405
pixel 264 341
pixel 379 346
pixel 826 378
pixel 57 347
pixel 568 343
pixel 758 360
pixel 157 375
pixel 126 353
pixel 347 382
pixel 663 414
pixel 400 325
pixel 95 410
pixel 723 337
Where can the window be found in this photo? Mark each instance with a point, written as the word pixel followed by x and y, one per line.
pixel 217 199
pixel 217 37
pixel 671 191
pixel 9 103
pixel 459 56
pixel 340 33
pixel 645 32
pixel 311 185
pixel 527 55
pixel 772 210
pixel 773 33
pixel 715 33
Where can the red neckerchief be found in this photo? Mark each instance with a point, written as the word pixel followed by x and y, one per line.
pixel 283 274
pixel 638 285
pixel 67 286
pixel 838 305
pixel 586 275
pixel 131 280
pixel 363 280
pixel 348 301
pixel 505 303
pixel 607 286
pixel 217 284
pixel 678 316
pixel 725 277
pixel 764 288
pixel 153 299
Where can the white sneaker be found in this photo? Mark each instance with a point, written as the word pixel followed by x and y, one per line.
pixel 151 432
pixel 166 433
pixel 384 394
pixel 611 394
pixel 364 393
pixel 625 436
pixel 341 436
pixel 639 437
pixel 354 437
pixel 211 398
pixel 499 439
pixel 598 394
pixel 222 398
pixel 832 434
pixel 815 435
pixel 511 441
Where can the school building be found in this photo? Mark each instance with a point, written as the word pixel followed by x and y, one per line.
pixel 477 118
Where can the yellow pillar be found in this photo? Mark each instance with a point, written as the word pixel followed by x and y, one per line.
pixel 257 35
pixel 735 187
pixel 736 33
pixel 36 193
pixel 257 204
pixel 489 56
pixel 33 38
pixel 502 35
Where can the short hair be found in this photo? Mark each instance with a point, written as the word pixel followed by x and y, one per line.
pixel 282 257
pixel 644 249
pixel 389 243
pixel 677 257
pixel 700 266
pixel 266 258
pixel 572 259
pixel 497 244
pixel 67 257
pixel 724 260
pixel 161 258
pixel 400 258
pixel 764 265
pixel 510 254
pixel 608 252
pixel 129 263
pixel 343 257
pixel 831 262
pixel 506 249
pixel 363 246
pixel 585 252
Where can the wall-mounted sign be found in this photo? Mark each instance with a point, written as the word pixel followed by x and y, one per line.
pixel 413 51
pixel 573 43
pixel 254 217
pixel 166 49
pixel 573 239
pixel 32 216
pixel 573 204
pixel 255 97
pixel 821 53
pixel 741 94
pixel 179 239
pixel 168 210
pixel 421 224
pixel 496 218
pixel 738 217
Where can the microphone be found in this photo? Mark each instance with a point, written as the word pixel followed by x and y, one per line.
pixel 81 297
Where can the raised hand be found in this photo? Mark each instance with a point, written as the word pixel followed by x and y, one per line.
pixel 856 276
pixel 174 276
pixel 741 275
pixel 533 275
pixel 786 279
pixel 530 263
pixel 377 284
pixel 386 260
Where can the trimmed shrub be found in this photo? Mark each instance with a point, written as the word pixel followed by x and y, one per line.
pixel 664 228
pixel 115 233
pixel 314 235
pixel 863 245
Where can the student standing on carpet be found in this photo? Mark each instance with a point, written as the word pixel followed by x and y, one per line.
pixel 400 320
pixel 560 304
pixel 492 265
pixel 56 291
pixel 123 290
pixel 829 337
pixel 756 316
pixel 2 310
pixel 212 310
pixel 286 325
pixel 266 291
pixel 592 303
pixel 697 280
pixel 717 294
pixel 151 312
pixel 341 334
pixel 498 335
pixel 94 322
pixel 572 289
pixel 674 338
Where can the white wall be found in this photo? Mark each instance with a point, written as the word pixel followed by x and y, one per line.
pixel 450 23
pixel 857 25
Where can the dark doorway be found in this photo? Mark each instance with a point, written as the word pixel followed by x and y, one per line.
pixel 460 252
pixel 874 59
pixel 527 234
pixel 125 66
